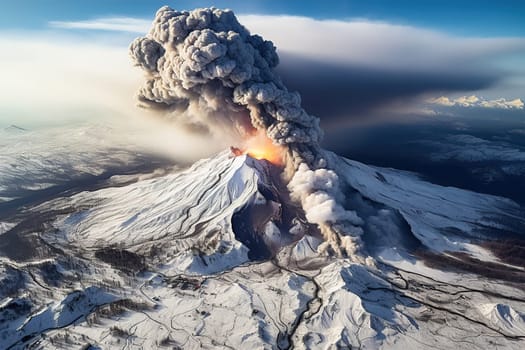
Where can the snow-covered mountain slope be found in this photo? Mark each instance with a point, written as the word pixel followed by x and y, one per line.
pixel 441 218
pixel 215 256
pixel 38 163
pixel 176 213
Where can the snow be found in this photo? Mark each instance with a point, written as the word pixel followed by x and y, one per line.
pixel 73 307
pixel 33 160
pixel 504 317
pixel 199 289
pixel 433 210
pixel 190 208
pixel 6 226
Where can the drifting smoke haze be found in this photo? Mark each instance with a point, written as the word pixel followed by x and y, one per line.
pixel 205 70
pixel 52 81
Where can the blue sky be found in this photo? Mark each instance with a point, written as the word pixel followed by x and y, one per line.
pixel 479 18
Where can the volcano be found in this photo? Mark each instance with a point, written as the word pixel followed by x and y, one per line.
pixel 217 256
pixel 277 244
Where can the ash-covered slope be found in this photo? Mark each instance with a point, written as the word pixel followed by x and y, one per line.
pixel 217 256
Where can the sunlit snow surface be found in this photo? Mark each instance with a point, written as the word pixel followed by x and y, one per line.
pixel 155 263
pixel 36 160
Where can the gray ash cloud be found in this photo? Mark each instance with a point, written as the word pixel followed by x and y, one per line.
pixel 204 68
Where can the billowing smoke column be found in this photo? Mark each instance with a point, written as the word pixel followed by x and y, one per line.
pixel 205 68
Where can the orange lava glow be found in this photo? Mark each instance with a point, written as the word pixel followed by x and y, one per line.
pixel 261 147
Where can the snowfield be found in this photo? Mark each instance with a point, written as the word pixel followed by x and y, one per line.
pixel 215 256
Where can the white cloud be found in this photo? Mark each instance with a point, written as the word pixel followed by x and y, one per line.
pixel 443 101
pixel 475 101
pixel 360 41
pixel 120 24
pixel 502 103
pixel 377 44
pixel 49 80
pixel 468 148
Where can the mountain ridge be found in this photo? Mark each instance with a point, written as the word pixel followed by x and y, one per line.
pixel 182 226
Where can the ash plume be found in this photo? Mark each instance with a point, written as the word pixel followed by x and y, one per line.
pixel 204 69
